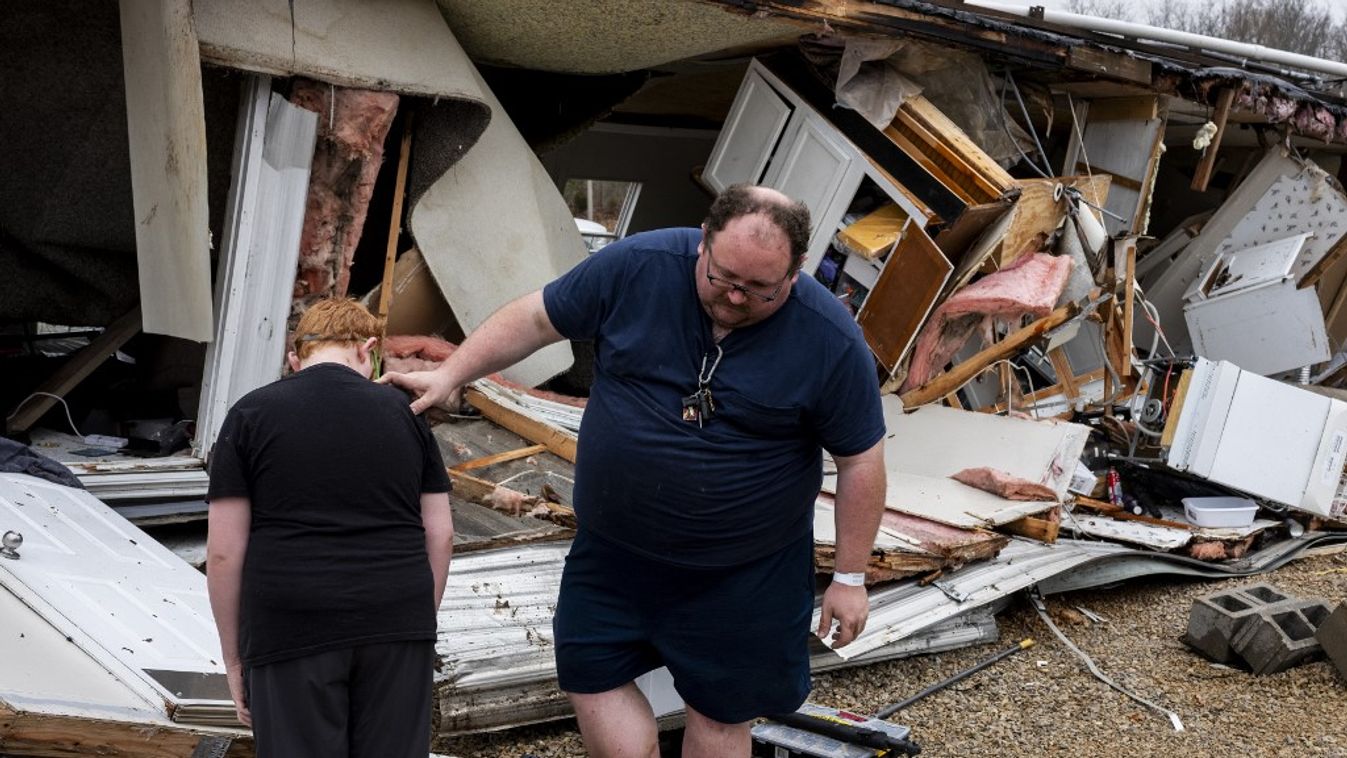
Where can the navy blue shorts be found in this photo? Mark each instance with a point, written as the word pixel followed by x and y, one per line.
pixel 735 639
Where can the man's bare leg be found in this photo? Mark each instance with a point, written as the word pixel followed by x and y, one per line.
pixel 707 738
pixel 617 724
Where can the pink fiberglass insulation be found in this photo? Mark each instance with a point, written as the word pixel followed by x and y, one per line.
pixel 1004 484
pixel 1028 287
pixel 406 352
pixel 352 125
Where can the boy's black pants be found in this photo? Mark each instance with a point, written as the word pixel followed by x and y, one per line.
pixel 369 701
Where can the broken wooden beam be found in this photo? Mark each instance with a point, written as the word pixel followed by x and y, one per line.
pixel 505 457
pixel 553 438
pixel 1043 527
pixel 1208 163
pixel 75 370
pixel 955 378
pixel 1116 511
pixel 395 221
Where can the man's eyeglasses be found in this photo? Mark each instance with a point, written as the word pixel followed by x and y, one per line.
pixel 725 284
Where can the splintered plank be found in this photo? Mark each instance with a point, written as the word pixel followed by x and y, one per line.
pixel 956 145
pixel 395 220
pixel 1043 528
pixel 948 542
pixel 553 438
pixel 505 457
pixel 1039 210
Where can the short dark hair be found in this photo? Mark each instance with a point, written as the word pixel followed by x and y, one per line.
pixel 791 217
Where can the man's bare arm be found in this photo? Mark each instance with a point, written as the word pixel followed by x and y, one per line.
pixel 511 334
pixel 438 520
pixel 861 483
pixel 226 546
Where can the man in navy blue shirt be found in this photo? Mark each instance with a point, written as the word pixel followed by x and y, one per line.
pixel 720 376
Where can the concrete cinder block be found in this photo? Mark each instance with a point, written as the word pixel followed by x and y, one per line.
pixel 1332 636
pixel 1280 638
pixel 1215 619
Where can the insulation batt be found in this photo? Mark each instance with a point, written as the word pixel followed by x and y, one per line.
pixel 352 125
pixel 1028 287
pixel 1004 484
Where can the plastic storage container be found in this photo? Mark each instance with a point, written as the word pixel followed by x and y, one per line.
pixel 1219 511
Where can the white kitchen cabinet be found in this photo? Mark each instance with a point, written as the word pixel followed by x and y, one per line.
pixel 755 123
pixel 774 138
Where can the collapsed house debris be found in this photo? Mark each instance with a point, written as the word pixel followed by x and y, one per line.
pixel 1107 350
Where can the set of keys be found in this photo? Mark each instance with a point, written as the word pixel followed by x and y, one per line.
pixel 699 407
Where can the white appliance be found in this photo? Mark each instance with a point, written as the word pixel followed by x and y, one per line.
pixel 1270 439
pixel 1246 308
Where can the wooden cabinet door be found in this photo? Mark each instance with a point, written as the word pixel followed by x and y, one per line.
pixel 755 123
pixel 905 293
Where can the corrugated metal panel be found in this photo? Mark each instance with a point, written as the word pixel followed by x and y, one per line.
pixel 495 643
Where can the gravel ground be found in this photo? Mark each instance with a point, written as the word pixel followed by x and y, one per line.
pixel 1043 701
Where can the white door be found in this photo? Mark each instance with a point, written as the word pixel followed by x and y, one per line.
pixel 132 605
pixel 810 166
pixel 751 130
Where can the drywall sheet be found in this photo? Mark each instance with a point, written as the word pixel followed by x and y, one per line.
pixel 946 501
pixel 494 227
pixel 166 121
pixel 936 441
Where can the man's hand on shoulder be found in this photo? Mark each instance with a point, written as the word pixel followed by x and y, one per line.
pixel 428 389
pixel 849 607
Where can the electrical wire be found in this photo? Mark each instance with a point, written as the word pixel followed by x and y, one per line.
pixel 60 399
pixel 1005 126
pixel 1042 610
pixel 1024 111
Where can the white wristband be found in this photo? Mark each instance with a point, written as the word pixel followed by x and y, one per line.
pixel 851 580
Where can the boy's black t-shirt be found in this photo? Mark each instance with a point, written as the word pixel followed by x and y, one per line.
pixel 333 466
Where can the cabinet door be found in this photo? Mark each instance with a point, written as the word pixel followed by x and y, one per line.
pixel 904 295
pixel 756 120
pixel 810 166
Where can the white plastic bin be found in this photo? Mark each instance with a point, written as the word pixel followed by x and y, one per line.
pixel 1219 512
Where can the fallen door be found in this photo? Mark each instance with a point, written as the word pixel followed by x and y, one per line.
pixel 128 602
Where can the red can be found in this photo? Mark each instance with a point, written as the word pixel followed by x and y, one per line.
pixel 1114 487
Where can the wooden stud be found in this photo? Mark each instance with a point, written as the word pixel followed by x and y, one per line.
pixel 1015 341
pixel 531 429
pixel 953 401
pixel 1036 528
pixel 1113 511
pixel 1173 409
pixel 76 369
pixel 395 222
pixel 505 457
pixel 1038 396
pixel 1129 300
pixel 1066 377
pixel 1208 163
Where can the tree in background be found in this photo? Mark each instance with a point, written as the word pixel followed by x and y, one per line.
pixel 1300 26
